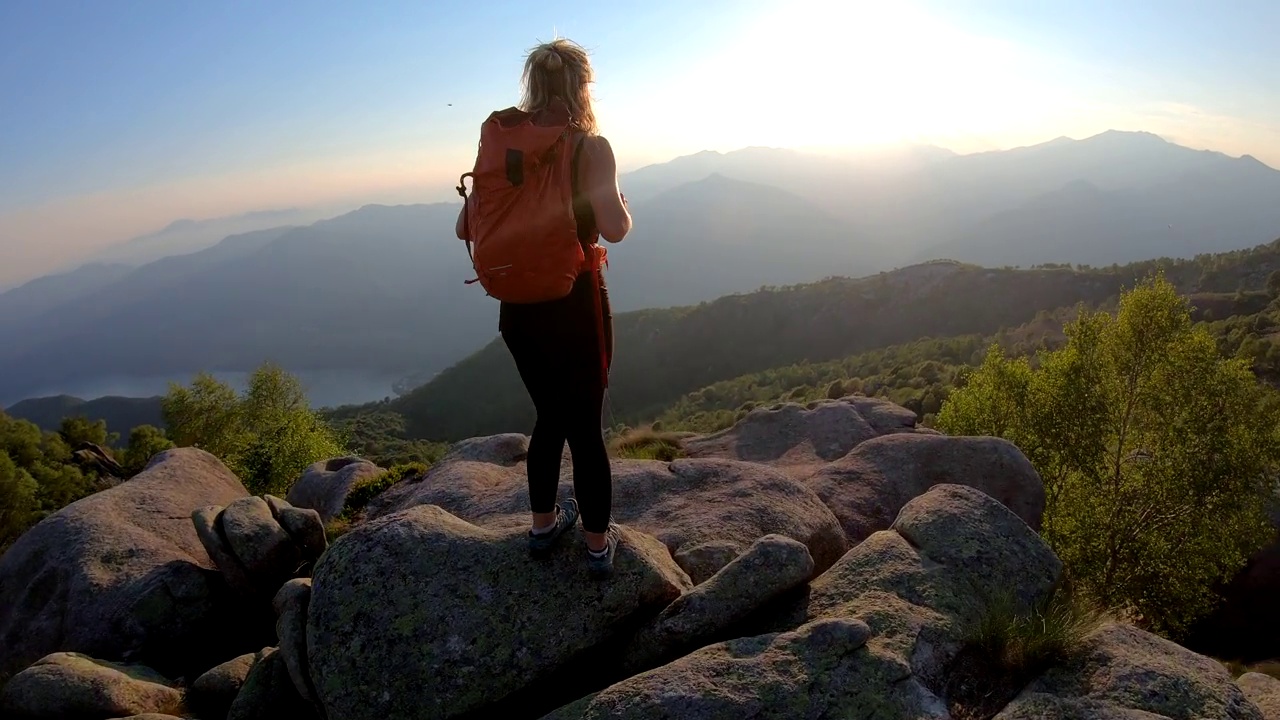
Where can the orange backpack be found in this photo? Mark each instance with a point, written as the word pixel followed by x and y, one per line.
pixel 524 242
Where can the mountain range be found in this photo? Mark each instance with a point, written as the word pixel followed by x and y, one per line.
pixel 187 236
pixel 362 299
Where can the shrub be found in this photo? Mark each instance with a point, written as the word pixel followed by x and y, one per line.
pixel 1012 645
pixel 267 436
pixel 647 444
pixel 371 487
pixel 145 442
pixel 1157 454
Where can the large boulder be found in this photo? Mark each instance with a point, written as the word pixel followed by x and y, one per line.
pixel 868 487
pixel 1124 672
pixel 924 583
pixel 422 614
pixel 769 568
pixel 72 686
pixel 804 436
pixel 875 633
pixel 705 511
pixel 1263 691
pixel 823 669
pixel 291 631
pixel 213 692
pixel 268 693
pixel 503 449
pixel 259 543
pixel 324 486
pixel 122 575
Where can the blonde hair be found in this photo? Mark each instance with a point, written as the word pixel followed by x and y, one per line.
pixel 560 69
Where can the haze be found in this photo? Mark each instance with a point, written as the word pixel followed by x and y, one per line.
pixel 121 117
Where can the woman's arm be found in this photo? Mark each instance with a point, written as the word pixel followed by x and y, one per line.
pixel 612 218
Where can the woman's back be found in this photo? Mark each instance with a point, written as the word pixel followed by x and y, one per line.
pixel 563 348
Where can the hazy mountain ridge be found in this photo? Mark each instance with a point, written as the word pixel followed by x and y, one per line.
pixel 36 297
pixel 938 203
pixel 381 299
pixel 380 289
pixel 717 236
pixel 120 413
pixel 186 235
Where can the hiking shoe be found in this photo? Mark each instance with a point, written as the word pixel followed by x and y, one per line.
pixel 566 516
pixel 600 565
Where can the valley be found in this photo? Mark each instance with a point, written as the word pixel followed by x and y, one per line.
pixel 371 304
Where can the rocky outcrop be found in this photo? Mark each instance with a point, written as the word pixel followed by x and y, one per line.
pixel 325 485
pixel 505 449
pixel 867 488
pixel 422 614
pixel 259 543
pixel 834 573
pixel 705 511
pixel 821 670
pixel 803 437
pixel 72 686
pixel 826 475
pixel 769 568
pixel 122 575
pixel 1123 672
pixel 874 635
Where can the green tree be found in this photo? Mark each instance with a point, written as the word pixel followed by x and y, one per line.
pixel 267 436
pixel 206 415
pixel 1157 453
pixel 145 441
pixel 1273 283
pixel 79 429
pixel 18 504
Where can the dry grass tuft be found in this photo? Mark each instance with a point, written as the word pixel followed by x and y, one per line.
pixel 647 444
pixel 1011 646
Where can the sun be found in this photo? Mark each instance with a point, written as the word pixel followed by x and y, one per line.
pixel 825 74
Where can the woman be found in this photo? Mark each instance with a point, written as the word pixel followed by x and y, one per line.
pixel 557 345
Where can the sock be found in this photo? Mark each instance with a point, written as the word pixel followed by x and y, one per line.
pixel 548 529
pixel 601 552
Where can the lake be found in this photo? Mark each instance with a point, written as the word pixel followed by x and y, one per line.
pixel 324 388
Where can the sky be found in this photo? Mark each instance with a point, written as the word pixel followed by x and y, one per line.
pixel 119 117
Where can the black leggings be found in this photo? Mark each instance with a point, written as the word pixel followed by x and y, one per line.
pixel 556 349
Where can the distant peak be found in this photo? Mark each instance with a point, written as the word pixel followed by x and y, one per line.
pixel 1129 135
pixel 719 178
pixel 1252 161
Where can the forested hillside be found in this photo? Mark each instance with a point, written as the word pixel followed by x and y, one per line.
pixel 921 375
pixel 119 413
pixel 664 354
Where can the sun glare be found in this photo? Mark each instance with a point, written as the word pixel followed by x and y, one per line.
pixel 825 74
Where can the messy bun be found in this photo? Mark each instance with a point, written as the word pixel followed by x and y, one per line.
pixel 560 69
